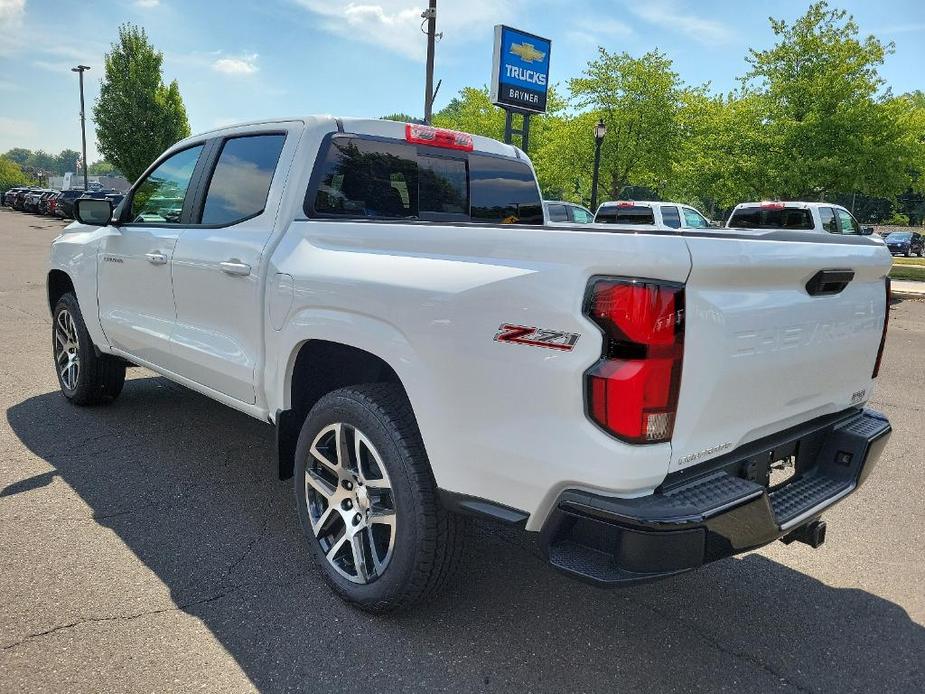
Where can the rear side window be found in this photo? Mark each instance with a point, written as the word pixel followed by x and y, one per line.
pixel 670 217
pixel 241 180
pixel 827 215
pixel 558 213
pixel 386 179
pixel 630 214
pixel 504 191
pixel 771 218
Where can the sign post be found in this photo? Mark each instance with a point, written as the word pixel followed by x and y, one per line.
pixel 519 78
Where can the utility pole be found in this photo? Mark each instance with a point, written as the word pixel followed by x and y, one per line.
pixel 430 16
pixel 83 123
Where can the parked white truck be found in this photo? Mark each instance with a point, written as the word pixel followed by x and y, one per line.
pixel 387 297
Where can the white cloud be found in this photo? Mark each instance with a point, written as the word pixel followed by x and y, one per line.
pixel 243 65
pixel 11 13
pixel 147 4
pixel 671 15
pixel 396 24
pixel 598 32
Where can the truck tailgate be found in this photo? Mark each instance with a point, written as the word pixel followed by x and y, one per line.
pixel 760 352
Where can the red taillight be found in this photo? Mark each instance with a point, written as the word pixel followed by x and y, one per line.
pixel 886 322
pixel 632 391
pixel 625 203
pixel 438 137
pixel 772 205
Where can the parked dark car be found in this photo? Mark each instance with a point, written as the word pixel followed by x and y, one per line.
pixel 52 203
pixel 45 200
pixel 19 200
pixel 9 195
pixel 64 205
pixel 907 243
pixel 31 201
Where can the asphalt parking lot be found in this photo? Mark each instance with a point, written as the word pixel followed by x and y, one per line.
pixel 149 546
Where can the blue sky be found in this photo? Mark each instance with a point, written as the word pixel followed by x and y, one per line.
pixel 238 60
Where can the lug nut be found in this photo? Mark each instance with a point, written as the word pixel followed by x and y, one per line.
pixel 357 519
pixel 348 485
pixel 347 505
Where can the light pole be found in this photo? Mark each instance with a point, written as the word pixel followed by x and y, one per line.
pixel 599 131
pixel 83 124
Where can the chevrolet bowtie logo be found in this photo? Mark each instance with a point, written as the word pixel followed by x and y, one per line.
pixel 526 52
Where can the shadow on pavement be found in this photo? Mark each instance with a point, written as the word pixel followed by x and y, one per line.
pixel 190 488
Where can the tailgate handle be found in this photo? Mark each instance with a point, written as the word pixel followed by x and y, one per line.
pixel 828 282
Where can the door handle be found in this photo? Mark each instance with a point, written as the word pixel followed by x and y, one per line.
pixel 235 267
pixel 156 258
pixel 828 282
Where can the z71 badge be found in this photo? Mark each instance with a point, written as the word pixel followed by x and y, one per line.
pixel 537 337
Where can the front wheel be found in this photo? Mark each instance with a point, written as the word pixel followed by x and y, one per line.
pixel 85 377
pixel 367 500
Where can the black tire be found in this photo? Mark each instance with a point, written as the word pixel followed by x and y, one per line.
pixel 428 539
pixel 99 378
pixel 908 253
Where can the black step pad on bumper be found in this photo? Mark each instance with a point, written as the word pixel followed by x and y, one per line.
pixel 614 541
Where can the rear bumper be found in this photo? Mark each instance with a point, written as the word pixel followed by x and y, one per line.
pixel 714 511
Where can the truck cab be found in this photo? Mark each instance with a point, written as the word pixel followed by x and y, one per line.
pixel 660 215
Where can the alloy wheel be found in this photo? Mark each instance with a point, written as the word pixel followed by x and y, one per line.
pixel 67 349
pixel 351 506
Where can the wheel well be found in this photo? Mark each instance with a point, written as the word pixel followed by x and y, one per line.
pixel 320 367
pixel 59 284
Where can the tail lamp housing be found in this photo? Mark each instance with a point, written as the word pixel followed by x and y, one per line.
pixel 632 391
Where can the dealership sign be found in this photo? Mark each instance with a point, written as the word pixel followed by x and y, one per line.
pixel 520 70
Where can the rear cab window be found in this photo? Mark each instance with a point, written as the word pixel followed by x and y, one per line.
pixel 772 218
pixel 625 214
pixel 358 177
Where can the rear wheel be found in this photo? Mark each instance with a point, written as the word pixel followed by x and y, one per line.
pixel 85 377
pixel 367 500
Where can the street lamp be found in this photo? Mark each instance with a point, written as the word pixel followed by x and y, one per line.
pixel 599 131
pixel 83 125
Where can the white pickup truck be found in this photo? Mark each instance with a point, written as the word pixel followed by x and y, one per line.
pixel 387 297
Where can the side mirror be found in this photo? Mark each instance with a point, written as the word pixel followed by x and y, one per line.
pixel 93 211
pixel 867 231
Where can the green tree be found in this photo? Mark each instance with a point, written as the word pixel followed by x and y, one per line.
pixel 401 118
pixel 640 100
pixel 19 155
pixel 102 168
pixel 11 175
pixel 137 115
pixel 66 161
pixel 829 121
